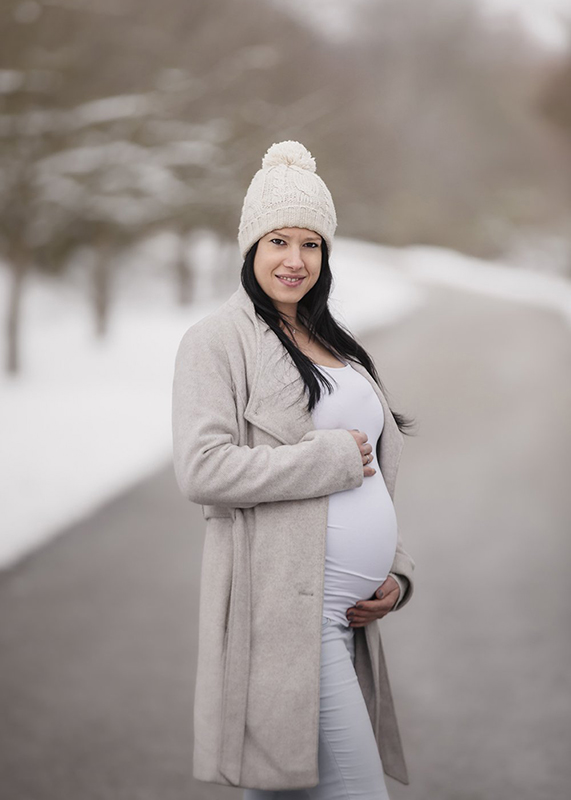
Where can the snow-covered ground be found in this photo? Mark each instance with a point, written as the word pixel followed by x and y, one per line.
pixel 86 419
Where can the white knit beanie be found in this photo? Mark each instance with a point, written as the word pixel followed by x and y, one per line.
pixel 286 193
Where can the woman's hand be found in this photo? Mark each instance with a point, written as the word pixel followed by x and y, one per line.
pixel 366 611
pixel 366 449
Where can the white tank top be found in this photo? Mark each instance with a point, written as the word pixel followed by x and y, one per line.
pixel 361 522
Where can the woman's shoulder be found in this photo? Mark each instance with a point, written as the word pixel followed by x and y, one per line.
pixel 222 329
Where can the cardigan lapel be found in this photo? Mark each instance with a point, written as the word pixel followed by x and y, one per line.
pixel 277 402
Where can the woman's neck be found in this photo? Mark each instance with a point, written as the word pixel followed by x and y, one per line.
pixel 289 312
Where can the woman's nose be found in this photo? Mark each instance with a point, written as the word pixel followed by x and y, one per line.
pixel 293 258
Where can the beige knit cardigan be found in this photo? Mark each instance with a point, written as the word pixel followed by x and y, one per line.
pixel 245 448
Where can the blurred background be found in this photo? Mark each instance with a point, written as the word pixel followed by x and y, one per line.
pixel 129 132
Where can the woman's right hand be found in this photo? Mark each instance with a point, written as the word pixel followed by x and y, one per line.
pixel 366 449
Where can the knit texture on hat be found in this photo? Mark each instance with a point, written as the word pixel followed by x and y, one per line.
pixel 286 193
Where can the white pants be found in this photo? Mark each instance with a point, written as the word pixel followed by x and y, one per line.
pixel 348 758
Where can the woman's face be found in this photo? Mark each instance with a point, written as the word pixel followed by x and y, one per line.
pixel 288 253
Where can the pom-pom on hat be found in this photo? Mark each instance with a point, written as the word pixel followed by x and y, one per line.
pixel 286 193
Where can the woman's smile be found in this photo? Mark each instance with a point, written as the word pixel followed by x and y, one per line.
pixel 290 281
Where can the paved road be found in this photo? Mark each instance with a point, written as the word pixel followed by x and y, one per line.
pixel 98 630
pixel 481 660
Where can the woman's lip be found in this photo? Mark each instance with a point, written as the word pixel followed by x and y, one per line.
pixel 290 283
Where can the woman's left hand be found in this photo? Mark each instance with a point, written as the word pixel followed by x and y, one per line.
pixel 366 611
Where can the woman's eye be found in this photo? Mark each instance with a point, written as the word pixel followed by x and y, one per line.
pixel 313 245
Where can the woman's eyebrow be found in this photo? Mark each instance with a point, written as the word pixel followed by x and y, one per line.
pixel 307 238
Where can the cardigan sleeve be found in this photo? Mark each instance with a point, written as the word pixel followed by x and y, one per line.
pixel 403 584
pixel 211 468
pixel 402 569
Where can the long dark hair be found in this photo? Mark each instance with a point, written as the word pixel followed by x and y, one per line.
pixel 314 312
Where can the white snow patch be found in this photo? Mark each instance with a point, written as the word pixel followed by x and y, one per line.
pixel 107 109
pixel 441 266
pixel 81 160
pixel 11 80
pixel 369 288
pixel 85 420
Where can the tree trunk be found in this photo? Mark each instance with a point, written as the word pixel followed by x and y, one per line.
pixel 231 265
pixel 18 269
pixel 101 289
pixel 184 274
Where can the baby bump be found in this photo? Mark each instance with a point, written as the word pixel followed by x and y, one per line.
pixel 361 544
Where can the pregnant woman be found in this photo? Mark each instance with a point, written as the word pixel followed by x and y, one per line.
pixel 282 432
